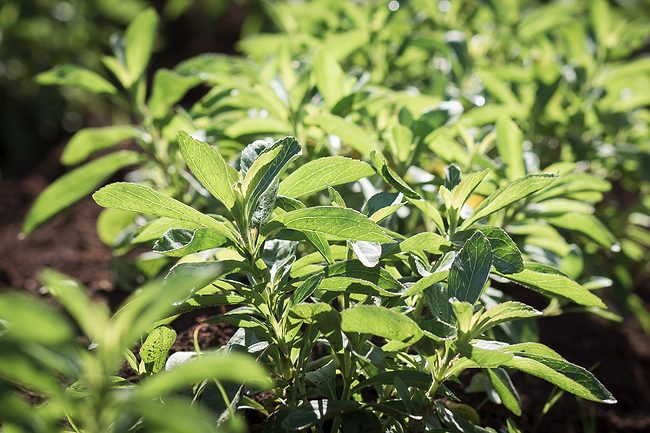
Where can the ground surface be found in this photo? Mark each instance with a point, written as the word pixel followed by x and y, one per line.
pixel 620 353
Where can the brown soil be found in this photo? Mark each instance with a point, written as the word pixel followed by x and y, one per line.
pixel 619 354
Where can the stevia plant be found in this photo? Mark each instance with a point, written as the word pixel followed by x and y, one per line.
pixel 70 369
pixel 571 74
pixel 145 114
pixel 359 324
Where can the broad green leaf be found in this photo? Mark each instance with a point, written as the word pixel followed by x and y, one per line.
pixel 586 224
pixel 510 193
pixel 329 77
pixel 510 145
pixel 538 360
pixel 306 289
pixel 90 140
pixel 139 39
pixel 26 319
pixel 154 229
pixel 428 242
pixel 437 297
pixel 483 353
pixel 504 312
pixel 318 241
pixel 352 285
pixel 351 134
pixel 264 173
pixel 69 75
pixel 73 186
pixel 168 88
pixel 153 351
pixel 380 321
pixel 505 389
pixel 354 269
pixel 426 282
pixel 555 285
pixel 142 199
pixel 320 173
pixel 466 187
pixel 182 242
pixel 470 269
pixel 209 168
pixel 234 367
pixel 506 257
pixel 333 222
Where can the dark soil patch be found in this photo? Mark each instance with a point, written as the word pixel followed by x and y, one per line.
pixel 68 243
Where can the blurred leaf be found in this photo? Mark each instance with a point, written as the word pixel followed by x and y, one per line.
pixel 74 185
pixel 139 40
pixel 74 76
pixel 89 140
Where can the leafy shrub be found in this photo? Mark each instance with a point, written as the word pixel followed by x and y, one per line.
pixel 363 193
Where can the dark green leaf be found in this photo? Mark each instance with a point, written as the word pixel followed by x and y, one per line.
pixel 470 269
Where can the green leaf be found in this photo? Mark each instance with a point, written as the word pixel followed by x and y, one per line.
pixel 182 242
pixel 234 367
pixel 505 389
pixel 24 319
pixel 506 257
pixel 155 228
pixel 139 39
pixel 73 186
pixel 470 269
pixel 341 284
pixel 380 321
pixel 142 199
pixel 334 222
pixel 428 242
pixel 390 177
pixel 555 285
pixel 153 351
pixel 89 140
pixel 256 126
pixel 74 76
pixel 586 224
pixel 510 193
pixel 264 173
pixel 318 241
pixel 329 77
pixel 92 317
pixel 320 173
pixel 466 187
pixel 426 282
pixel 168 88
pixel 354 269
pixel 209 168
pixel 351 134
pixel 538 360
pixel 510 145
pixel 504 312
